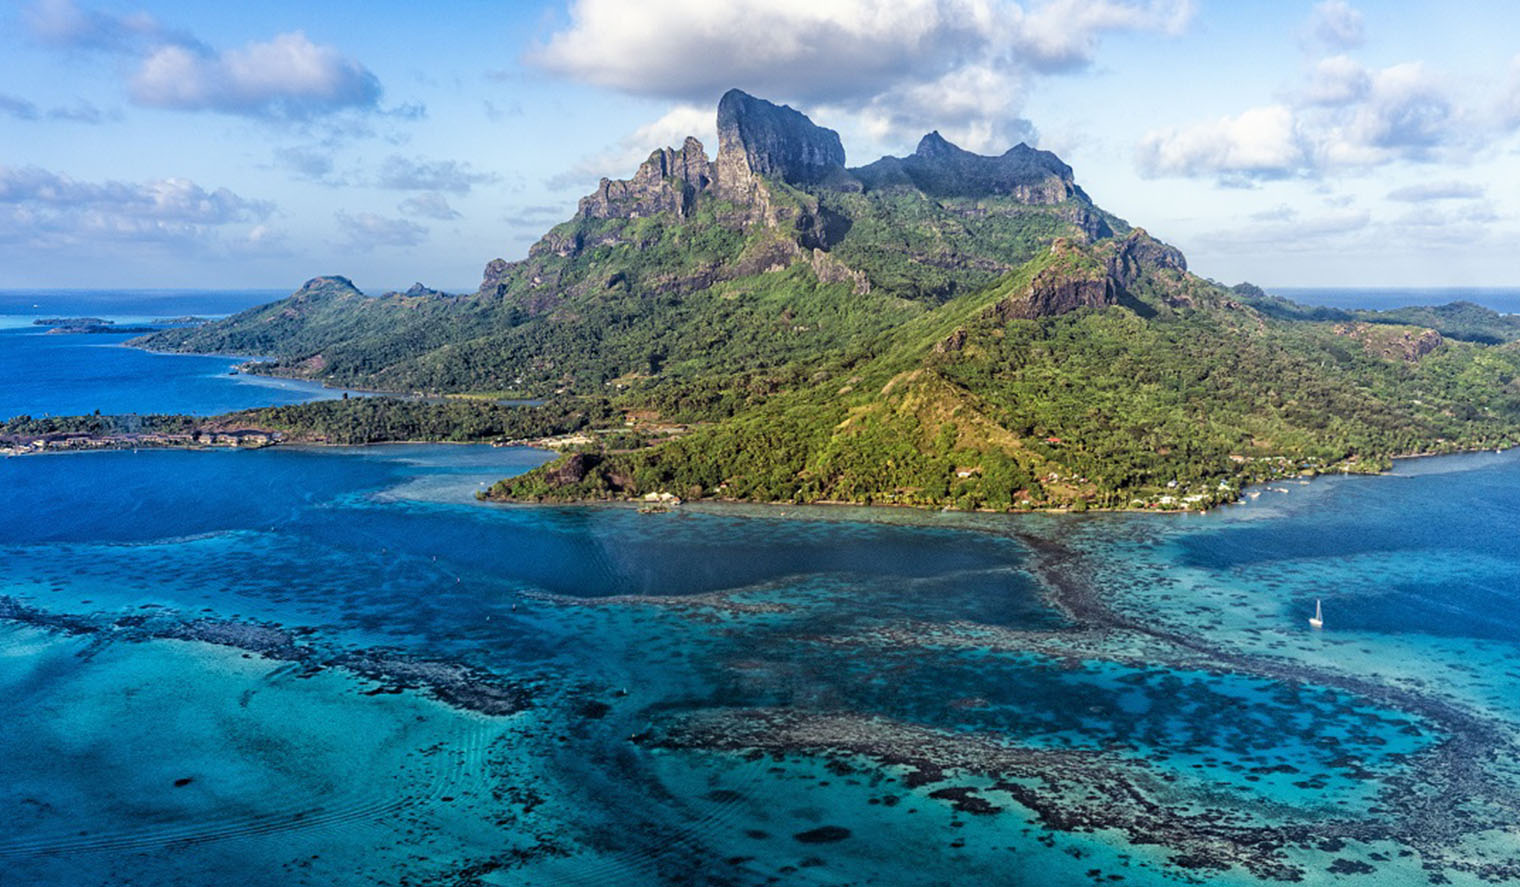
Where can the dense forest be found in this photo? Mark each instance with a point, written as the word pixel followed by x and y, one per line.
pixel 939 329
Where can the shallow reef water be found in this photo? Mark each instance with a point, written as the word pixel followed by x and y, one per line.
pixel 334 666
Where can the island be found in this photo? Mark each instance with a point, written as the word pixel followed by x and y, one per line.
pixel 944 329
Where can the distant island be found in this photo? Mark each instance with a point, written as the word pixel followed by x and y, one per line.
pixel 85 325
pixel 944 329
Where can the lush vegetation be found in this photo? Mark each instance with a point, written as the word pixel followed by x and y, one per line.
pixel 885 345
pixel 360 420
pixel 1176 399
pixel 356 420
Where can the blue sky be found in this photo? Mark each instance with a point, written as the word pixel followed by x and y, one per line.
pixel 154 144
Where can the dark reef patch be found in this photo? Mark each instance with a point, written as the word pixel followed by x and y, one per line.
pixel 825 834
pixel 456 684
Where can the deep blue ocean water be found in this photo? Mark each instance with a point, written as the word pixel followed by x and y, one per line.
pixel 1505 300
pixel 74 374
pixel 245 666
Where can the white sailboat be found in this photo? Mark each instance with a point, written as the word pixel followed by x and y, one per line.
pixel 1318 619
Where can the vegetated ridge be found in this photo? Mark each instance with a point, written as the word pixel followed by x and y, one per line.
pixel 944 328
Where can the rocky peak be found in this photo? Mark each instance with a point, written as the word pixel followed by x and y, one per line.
pixel 1140 253
pixel 935 145
pixel 326 286
pixel 420 290
pixel 942 169
pixel 669 181
pixel 689 164
pixel 758 138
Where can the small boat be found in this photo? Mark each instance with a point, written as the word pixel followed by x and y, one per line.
pixel 1318 619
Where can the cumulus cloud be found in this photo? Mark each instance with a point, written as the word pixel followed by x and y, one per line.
pixel 286 77
pixel 975 107
pixel 48 207
pixel 430 205
pixel 1350 117
pixel 1337 80
pixel 1335 23
pixel 1258 143
pixel 416 174
pixel 310 162
pixel 1064 34
pixel 363 232
pixel 1429 191
pixel 888 60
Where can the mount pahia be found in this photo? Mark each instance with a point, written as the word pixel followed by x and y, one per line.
pixel 944 328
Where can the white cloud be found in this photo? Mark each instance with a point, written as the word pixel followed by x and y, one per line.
pixel 1336 23
pixel 1406 114
pixel 1509 102
pixel 1337 80
pixel 62 23
pixel 889 61
pixel 1064 34
pixel 974 107
pixel 1349 118
pixel 363 232
pixel 285 77
pixel 430 205
pixel 1289 232
pixel 46 208
pixel 799 49
pixel 417 174
pixel 1258 143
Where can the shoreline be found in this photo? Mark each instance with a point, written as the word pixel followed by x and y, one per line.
pixel 1239 496
pixel 264 438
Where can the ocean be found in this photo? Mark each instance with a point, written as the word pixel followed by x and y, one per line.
pixel 1505 300
pixel 75 374
pixel 334 666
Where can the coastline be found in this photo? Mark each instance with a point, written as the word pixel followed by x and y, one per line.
pixel 255 437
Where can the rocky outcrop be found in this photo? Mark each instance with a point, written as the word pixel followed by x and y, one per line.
pixel 572 471
pixel 1060 290
pixel 419 291
pixel 327 286
pixel 1140 253
pixel 1082 276
pixel 668 182
pixel 1401 343
pixel 940 169
pixel 757 138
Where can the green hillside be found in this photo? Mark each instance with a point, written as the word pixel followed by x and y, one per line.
pixel 939 329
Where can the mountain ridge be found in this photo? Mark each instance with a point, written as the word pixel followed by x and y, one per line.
pixel 944 328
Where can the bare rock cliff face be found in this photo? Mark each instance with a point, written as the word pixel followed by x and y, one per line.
pixel 1057 291
pixel 941 169
pixel 1139 253
pixel 758 138
pixel 668 182
pixel 1092 278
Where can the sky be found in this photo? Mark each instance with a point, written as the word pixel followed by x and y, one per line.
pixel 148 144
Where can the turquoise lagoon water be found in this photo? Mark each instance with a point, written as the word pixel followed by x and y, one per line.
pixel 333 666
